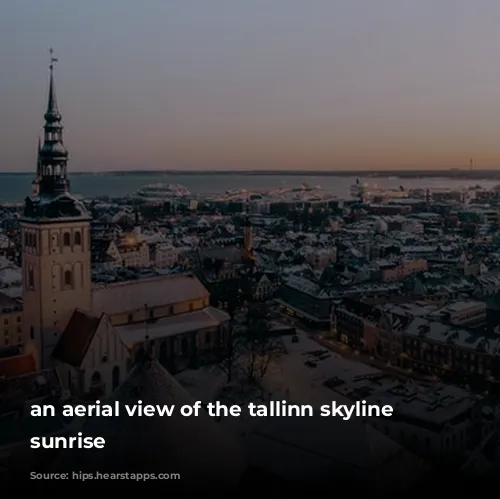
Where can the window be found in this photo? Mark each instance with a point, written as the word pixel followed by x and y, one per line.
pixel 31 278
pixel 116 377
pixel 96 379
pixel 151 314
pixel 32 332
pixel 66 239
pixel 18 318
pixel 78 238
pixel 68 278
pixel 6 322
pixel 130 318
pixel 184 347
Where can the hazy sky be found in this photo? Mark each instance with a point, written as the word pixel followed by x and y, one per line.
pixel 251 84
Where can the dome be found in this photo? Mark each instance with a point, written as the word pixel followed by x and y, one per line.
pixel 381 226
pixel 196 447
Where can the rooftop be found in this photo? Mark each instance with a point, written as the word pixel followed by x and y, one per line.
pixel 129 296
pixel 170 326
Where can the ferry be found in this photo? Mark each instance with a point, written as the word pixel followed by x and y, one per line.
pixel 363 190
pixel 159 193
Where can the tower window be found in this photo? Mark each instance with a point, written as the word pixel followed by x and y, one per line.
pixel 66 239
pixel 31 279
pixel 78 238
pixel 68 278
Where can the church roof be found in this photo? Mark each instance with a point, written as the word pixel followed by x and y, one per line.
pixel 196 447
pixel 123 297
pixel 173 325
pixel 76 338
pixel 54 208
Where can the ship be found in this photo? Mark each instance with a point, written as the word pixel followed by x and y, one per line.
pixel 366 191
pixel 161 193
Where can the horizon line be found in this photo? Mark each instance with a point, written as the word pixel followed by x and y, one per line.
pixel 349 172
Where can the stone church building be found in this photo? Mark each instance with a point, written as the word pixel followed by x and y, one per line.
pixel 89 332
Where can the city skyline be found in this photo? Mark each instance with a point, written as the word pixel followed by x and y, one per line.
pixel 294 86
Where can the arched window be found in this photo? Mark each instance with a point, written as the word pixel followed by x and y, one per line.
pixel 66 239
pixel 96 379
pixel 116 377
pixel 78 239
pixel 68 278
pixel 97 388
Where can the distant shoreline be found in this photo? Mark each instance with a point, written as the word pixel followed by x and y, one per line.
pixel 408 174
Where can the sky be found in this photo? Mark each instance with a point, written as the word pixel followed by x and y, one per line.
pixel 255 84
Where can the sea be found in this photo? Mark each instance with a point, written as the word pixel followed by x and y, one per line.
pixel 15 187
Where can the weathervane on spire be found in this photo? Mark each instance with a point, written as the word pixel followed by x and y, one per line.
pixel 53 59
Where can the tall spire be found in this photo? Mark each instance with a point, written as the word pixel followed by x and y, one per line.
pixel 50 198
pixel 52 115
pixel 52 156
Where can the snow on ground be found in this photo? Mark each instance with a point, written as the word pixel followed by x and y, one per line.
pixel 303 384
pixel 288 378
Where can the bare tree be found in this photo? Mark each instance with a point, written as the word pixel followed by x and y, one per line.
pixel 249 348
pixel 258 346
pixel 226 353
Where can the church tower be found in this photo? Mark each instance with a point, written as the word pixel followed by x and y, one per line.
pixel 55 231
pixel 247 236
